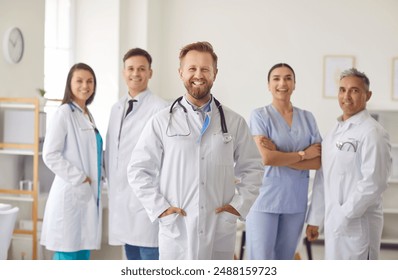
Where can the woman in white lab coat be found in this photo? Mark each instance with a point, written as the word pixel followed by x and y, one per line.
pixel 73 150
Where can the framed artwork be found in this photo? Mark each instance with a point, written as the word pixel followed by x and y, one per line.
pixel 333 65
pixel 395 78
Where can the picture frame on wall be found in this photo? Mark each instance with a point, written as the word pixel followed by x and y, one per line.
pixel 333 65
pixel 395 78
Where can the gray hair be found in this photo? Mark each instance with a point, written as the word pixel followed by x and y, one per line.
pixel 353 72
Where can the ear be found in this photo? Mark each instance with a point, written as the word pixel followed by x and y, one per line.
pixel 368 95
pixel 180 72
pixel 150 73
pixel 215 74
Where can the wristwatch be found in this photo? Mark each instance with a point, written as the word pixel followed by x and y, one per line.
pixel 302 154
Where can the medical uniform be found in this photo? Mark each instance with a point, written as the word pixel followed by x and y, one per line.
pixel 284 190
pixel 72 150
pixel 128 221
pixel 347 195
pixel 197 171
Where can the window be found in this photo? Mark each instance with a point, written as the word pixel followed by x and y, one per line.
pixel 58 52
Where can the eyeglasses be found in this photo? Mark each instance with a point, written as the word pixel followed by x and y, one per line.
pixel 351 143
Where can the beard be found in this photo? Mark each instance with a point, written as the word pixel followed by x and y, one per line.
pixel 198 93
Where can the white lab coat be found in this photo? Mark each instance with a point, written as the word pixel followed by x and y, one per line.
pixel 72 220
pixel 197 175
pixel 348 189
pixel 128 221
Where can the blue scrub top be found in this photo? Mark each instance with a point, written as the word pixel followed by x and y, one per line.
pixel 284 189
pixel 99 161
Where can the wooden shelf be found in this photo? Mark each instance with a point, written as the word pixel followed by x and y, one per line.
pixel 389 241
pixel 16 105
pixel 33 149
pixel 16 198
pixel 393 180
pixel 390 211
pixel 17 152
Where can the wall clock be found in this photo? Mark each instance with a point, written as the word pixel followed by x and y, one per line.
pixel 13 45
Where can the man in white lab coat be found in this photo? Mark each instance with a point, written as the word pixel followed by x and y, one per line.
pixel 356 162
pixel 129 224
pixel 207 164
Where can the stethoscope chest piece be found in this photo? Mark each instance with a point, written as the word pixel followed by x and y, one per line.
pixel 226 137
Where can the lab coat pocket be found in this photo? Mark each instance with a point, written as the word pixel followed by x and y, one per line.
pixel 351 227
pixel 222 151
pixel 347 227
pixel 224 239
pixel 228 217
pixel 83 192
pixel 345 161
pixel 168 227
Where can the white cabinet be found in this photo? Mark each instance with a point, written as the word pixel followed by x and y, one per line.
pixel 388 119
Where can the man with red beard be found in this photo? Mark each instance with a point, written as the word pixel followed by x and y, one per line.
pixel 195 168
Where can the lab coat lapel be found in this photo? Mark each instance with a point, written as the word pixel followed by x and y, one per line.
pixel 119 116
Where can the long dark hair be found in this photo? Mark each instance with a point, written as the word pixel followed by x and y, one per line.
pixel 68 95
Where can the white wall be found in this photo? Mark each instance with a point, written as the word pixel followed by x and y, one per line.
pixel 22 79
pixel 250 36
pixel 97 44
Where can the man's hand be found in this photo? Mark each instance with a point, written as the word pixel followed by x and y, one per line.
pixel 312 232
pixel 87 180
pixel 172 210
pixel 227 208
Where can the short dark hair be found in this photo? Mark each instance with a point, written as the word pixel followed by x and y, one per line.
pixel 68 95
pixel 278 65
pixel 200 47
pixel 138 52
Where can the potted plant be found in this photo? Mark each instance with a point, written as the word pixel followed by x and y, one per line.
pixel 42 99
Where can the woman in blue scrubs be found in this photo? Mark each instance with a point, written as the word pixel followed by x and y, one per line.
pixel 289 143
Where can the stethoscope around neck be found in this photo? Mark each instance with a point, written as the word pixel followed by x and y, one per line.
pixel 226 136
pixel 73 107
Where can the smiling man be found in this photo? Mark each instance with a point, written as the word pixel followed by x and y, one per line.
pixel 356 163
pixel 128 223
pixel 196 149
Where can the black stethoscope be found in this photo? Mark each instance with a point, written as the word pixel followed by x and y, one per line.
pixel 226 136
